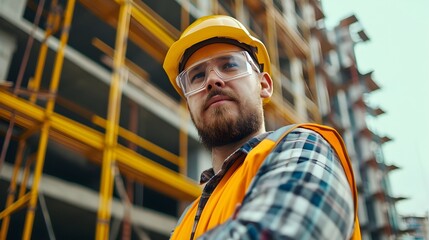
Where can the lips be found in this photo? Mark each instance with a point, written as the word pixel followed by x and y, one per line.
pixel 215 99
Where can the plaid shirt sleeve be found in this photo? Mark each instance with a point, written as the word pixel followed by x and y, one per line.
pixel 300 192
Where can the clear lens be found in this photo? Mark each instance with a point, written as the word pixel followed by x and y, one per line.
pixel 227 66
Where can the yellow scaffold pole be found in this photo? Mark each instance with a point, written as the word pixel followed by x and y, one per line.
pixel 109 158
pixel 43 142
pixel 12 188
pixel 52 20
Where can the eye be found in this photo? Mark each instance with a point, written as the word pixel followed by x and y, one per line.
pixel 197 74
pixel 230 66
pixel 197 77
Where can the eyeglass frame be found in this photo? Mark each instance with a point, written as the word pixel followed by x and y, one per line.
pixel 249 60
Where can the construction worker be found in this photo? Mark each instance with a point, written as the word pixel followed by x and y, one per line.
pixel 292 183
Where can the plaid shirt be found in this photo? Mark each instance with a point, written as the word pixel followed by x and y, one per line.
pixel 300 192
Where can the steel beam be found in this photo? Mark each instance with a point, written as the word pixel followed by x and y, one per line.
pixel 187 188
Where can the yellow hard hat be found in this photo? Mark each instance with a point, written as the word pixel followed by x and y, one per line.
pixel 212 29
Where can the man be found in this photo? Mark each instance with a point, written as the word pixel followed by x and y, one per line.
pixel 293 183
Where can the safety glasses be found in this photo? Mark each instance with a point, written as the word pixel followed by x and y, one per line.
pixel 227 66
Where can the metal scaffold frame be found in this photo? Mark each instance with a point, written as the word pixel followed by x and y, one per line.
pixel 50 125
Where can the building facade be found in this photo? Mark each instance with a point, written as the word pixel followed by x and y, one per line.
pixel 348 112
pixel 418 227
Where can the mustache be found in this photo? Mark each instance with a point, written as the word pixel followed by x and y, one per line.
pixel 220 92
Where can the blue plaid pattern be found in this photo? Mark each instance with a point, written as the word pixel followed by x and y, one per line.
pixel 300 192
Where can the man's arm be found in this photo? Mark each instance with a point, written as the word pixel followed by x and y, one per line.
pixel 300 192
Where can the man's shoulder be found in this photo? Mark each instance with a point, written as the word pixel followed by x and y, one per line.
pixel 294 131
pixel 298 137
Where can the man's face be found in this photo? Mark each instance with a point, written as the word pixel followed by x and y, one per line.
pixel 226 112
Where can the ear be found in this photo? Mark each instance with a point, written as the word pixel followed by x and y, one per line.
pixel 266 85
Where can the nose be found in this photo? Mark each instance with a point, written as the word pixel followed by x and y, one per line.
pixel 213 80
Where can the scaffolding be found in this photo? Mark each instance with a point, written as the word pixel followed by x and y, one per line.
pixel 134 21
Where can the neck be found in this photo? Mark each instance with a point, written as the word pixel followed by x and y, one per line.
pixel 219 154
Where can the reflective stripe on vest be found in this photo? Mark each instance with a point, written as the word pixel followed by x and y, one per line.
pixel 232 189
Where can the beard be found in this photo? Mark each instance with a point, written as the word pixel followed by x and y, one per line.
pixel 223 128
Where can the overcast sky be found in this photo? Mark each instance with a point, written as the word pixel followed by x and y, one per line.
pixel 398 52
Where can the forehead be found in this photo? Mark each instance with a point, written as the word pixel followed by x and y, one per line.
pixel 210 50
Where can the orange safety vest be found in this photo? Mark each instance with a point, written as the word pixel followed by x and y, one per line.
pixel 233 187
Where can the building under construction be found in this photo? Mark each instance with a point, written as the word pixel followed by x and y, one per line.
pixel 96 143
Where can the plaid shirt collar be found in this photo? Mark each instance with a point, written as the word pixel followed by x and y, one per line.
pixel 239 153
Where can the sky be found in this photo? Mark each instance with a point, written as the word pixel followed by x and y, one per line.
pixel 398 53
